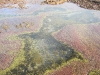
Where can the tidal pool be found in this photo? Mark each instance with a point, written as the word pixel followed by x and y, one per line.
pixel 42 39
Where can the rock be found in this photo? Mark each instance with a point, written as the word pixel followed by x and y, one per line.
pixel 88 4
pixel 95 0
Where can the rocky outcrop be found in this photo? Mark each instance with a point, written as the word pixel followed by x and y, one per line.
pixel 89 4
pixel 54 2
pixel 95 0
pixel 10 3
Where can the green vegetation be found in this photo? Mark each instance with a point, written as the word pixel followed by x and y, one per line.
pixel 62 62
pixel 33 62
pixel 96 72
pixel 17 60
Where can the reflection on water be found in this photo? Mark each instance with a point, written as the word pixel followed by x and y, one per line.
pixel 41 50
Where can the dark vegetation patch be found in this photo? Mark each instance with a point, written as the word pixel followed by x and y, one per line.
pixel 35 63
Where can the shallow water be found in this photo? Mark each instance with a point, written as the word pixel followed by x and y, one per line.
pixel 36 26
